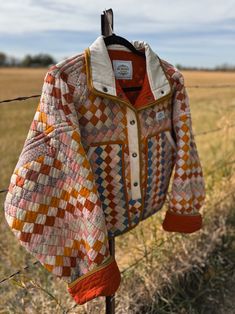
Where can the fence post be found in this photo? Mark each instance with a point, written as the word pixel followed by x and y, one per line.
pixel 110 300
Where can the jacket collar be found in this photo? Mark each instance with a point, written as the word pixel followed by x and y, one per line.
pixel 102 75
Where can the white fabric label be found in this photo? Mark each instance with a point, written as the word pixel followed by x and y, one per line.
pixel 123 69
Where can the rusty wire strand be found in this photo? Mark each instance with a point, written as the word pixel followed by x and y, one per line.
pixel 124 270
pixel 18 272
pixel 197 134
pixel 19 98
pixel 23 98
pixel 149 252
pixel 189 86
pixel 215 130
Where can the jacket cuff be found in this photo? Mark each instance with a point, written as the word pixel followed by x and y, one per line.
pixel 104 280
pixel 182 223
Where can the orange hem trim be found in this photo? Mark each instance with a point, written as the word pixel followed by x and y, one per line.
pixel 182 223
pixel 103 282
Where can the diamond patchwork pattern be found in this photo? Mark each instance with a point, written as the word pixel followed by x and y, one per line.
pixel 101 120
pixel 52 205
pixel 161 157
pixel 107 163
pixel 187 187
pixel 51 219
pixel 71 187
pixel 148 122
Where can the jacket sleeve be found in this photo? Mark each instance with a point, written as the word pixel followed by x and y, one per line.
pixel 52 204
pixel 187 193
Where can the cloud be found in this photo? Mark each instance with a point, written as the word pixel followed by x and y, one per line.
pixel 23 16
pixel 182 30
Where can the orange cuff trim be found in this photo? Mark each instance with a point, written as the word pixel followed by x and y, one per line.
pixel 182 223
pixel 103 281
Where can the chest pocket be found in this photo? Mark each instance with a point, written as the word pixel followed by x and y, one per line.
pixel 107 163
pixel 160 160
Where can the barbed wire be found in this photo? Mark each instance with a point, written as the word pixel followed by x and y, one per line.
pixel 19 98
pixel 124 270
pixel 218 165
pixel 197 134
pixel 130 266
pixel 144 256
pixel 6 279
pixel 5 190
pixel 210 86
pixel 18 272
pixel 23 98
pixel 189 86
pixel 170 237
pixel 151 251
pixel 215 130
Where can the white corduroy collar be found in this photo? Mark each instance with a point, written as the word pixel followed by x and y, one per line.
pixel 102 74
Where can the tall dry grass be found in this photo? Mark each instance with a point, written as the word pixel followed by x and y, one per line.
pixel 162 272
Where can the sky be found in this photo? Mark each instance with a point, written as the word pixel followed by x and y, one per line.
pixel 188 32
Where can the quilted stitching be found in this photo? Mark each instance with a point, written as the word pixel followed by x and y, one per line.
pixel 103 282
pixel 71 188
pixel 52 205
pixel 107 163
pixel 161 159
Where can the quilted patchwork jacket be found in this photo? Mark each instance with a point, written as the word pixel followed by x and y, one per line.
pixel 98 159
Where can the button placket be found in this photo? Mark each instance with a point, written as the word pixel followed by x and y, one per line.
pixel 133 141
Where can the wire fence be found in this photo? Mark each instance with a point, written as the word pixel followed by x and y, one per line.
pixel 18 272
pixel 212 86
pixel 189 86
pixel 138 261
pixel 125 269
pixel 19 98
pixel 197 134
pixel 215 168
pixel 215 130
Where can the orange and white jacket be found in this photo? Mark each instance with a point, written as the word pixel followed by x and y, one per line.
pixel 97 160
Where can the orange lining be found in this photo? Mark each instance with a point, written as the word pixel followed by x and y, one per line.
pixel 103 282
pixel 140 78
pixel 182 223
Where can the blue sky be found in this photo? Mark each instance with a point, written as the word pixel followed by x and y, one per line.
pixel 187 32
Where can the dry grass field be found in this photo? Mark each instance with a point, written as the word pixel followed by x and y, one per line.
pixel 180 269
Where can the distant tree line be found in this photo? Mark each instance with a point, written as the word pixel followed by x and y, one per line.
pixel 39 60
pixel 223 67
pixel 45 60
